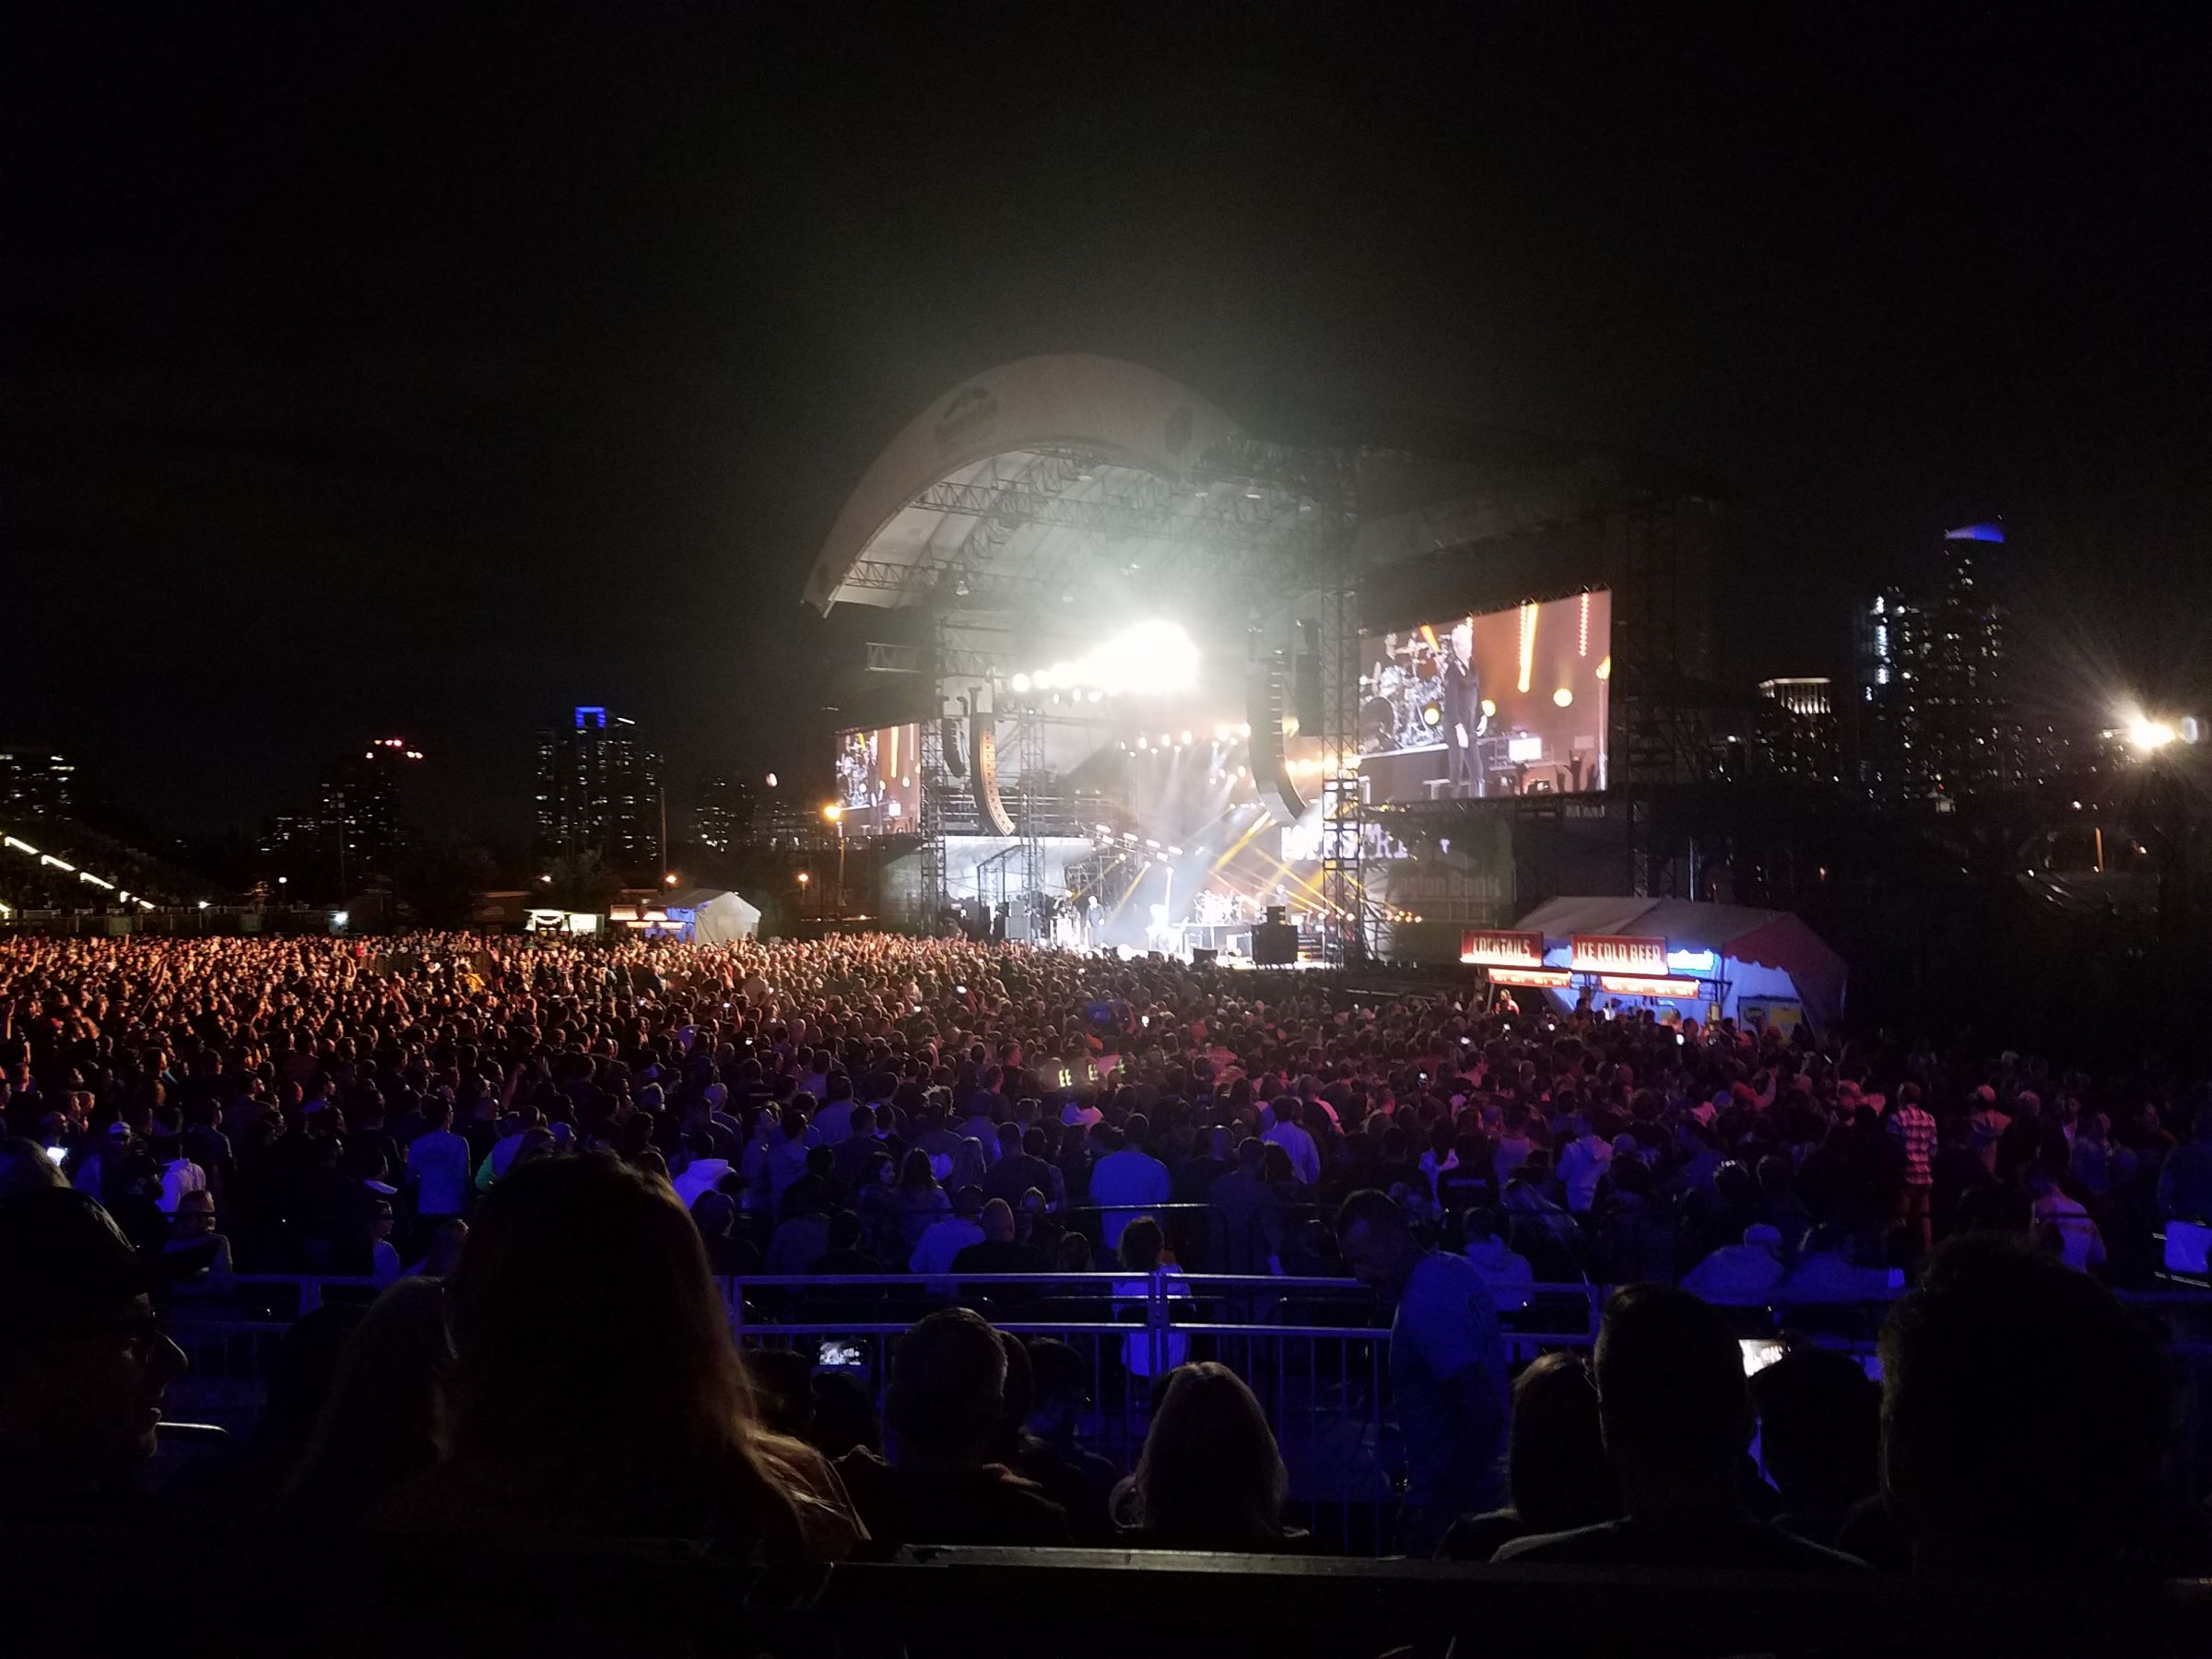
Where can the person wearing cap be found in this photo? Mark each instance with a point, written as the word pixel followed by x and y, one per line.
pixel 83 1365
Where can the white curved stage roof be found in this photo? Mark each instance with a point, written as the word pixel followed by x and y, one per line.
pixel 1058 478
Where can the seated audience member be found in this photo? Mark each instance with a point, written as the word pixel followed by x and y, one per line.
pixel 783 1385
pixel 1820 1438
pixel 594 1391
pixel 1978 1476
pixel 1555 1468
pixel 941 1414
pixel 25 1168
pixel 1060 1398
pixel 843 1414
pixel 84 1366
pixel 377 1427
pixel 1675 1414
pixel 1211 1476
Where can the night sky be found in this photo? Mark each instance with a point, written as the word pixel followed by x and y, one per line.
pixel 426 369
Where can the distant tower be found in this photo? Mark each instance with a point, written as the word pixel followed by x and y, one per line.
pixel 1964 707
pixel 599 791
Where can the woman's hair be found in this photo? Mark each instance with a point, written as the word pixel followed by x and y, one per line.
pixel 915 1173
pixel 1275 1163
pixel 592 1361
pixel 1556 1464
pixel 1211 1477
pixel 376 1425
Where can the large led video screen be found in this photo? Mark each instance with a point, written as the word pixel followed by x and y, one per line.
pixel 879 780
pixel 1511 702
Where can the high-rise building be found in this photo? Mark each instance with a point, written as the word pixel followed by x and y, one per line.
pixel 355 830
pixel 35 783
pixel 1892 756
pixel 1798 735
pixel 599 791
pixel 722 812
pixel 360 807
pixel 1964 704
pixel 1935 709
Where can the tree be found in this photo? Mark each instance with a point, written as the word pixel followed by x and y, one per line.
pixel 442 882
pixel 580 882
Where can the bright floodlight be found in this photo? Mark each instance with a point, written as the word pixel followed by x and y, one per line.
pixel 1147 660
pixel 2149 735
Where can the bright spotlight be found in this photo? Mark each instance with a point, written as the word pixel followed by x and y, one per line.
pixel 1186 736
pixel 2149 736
pixel 1490 708
pixel 1562 697
pixel 1020 683
pixel 1151 659
pixel 1604 668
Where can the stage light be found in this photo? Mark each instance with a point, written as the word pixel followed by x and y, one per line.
pixel 1097 697
pixel 1144 743
pixel 1604 668
pixel 1432 715
pixel 1562 697
pixel 1243 728
pixel 1167 739
pixel 1186 736
pixel 1020 683
pixel 2150 734
pixel 669 880
pixel 772 780
pixel 1152 658
pixel 1490 708
pixel 202 904
pixel 548 880
pixel 803 878
pixel 832 812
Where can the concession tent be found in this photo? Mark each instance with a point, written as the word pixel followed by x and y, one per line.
pixel 1737 955
pixel 711 916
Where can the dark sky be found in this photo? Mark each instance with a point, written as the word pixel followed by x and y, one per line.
pixel 427 369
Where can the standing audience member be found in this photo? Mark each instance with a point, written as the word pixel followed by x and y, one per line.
pixel 1447 1368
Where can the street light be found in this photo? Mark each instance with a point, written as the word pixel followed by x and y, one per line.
pixel 803 878
pixel 669 880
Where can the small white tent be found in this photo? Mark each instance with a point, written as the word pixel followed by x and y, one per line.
pixel 711 916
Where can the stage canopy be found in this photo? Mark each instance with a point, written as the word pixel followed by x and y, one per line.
pixel 1761 954
pixel 1052 478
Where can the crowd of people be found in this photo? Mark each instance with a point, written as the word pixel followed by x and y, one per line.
pixel 549 1150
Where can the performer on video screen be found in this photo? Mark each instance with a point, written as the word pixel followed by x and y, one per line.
pixel 1463 718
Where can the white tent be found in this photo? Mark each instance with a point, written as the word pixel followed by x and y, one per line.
pixel 711 915
pixel 1756 955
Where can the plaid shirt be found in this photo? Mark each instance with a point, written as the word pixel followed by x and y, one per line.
pixel 1916 1127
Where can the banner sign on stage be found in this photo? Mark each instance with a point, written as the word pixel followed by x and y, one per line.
pixel 1489 947
pixel 1534 979
pixel 1618 953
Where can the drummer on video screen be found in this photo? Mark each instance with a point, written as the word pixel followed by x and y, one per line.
pixel 1463 718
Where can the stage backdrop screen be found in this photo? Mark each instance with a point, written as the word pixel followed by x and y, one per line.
pixel 1505 703
pixel 879 780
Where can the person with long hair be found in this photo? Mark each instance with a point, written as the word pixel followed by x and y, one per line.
pixel 594 1391
pixel 1211 1476
pixel 377 1424
pixel 920 1201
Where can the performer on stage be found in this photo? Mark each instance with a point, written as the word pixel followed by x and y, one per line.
pixel 1463 718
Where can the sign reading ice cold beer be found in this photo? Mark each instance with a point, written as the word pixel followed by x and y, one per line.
pixel 1486 947
pixel 1618 953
